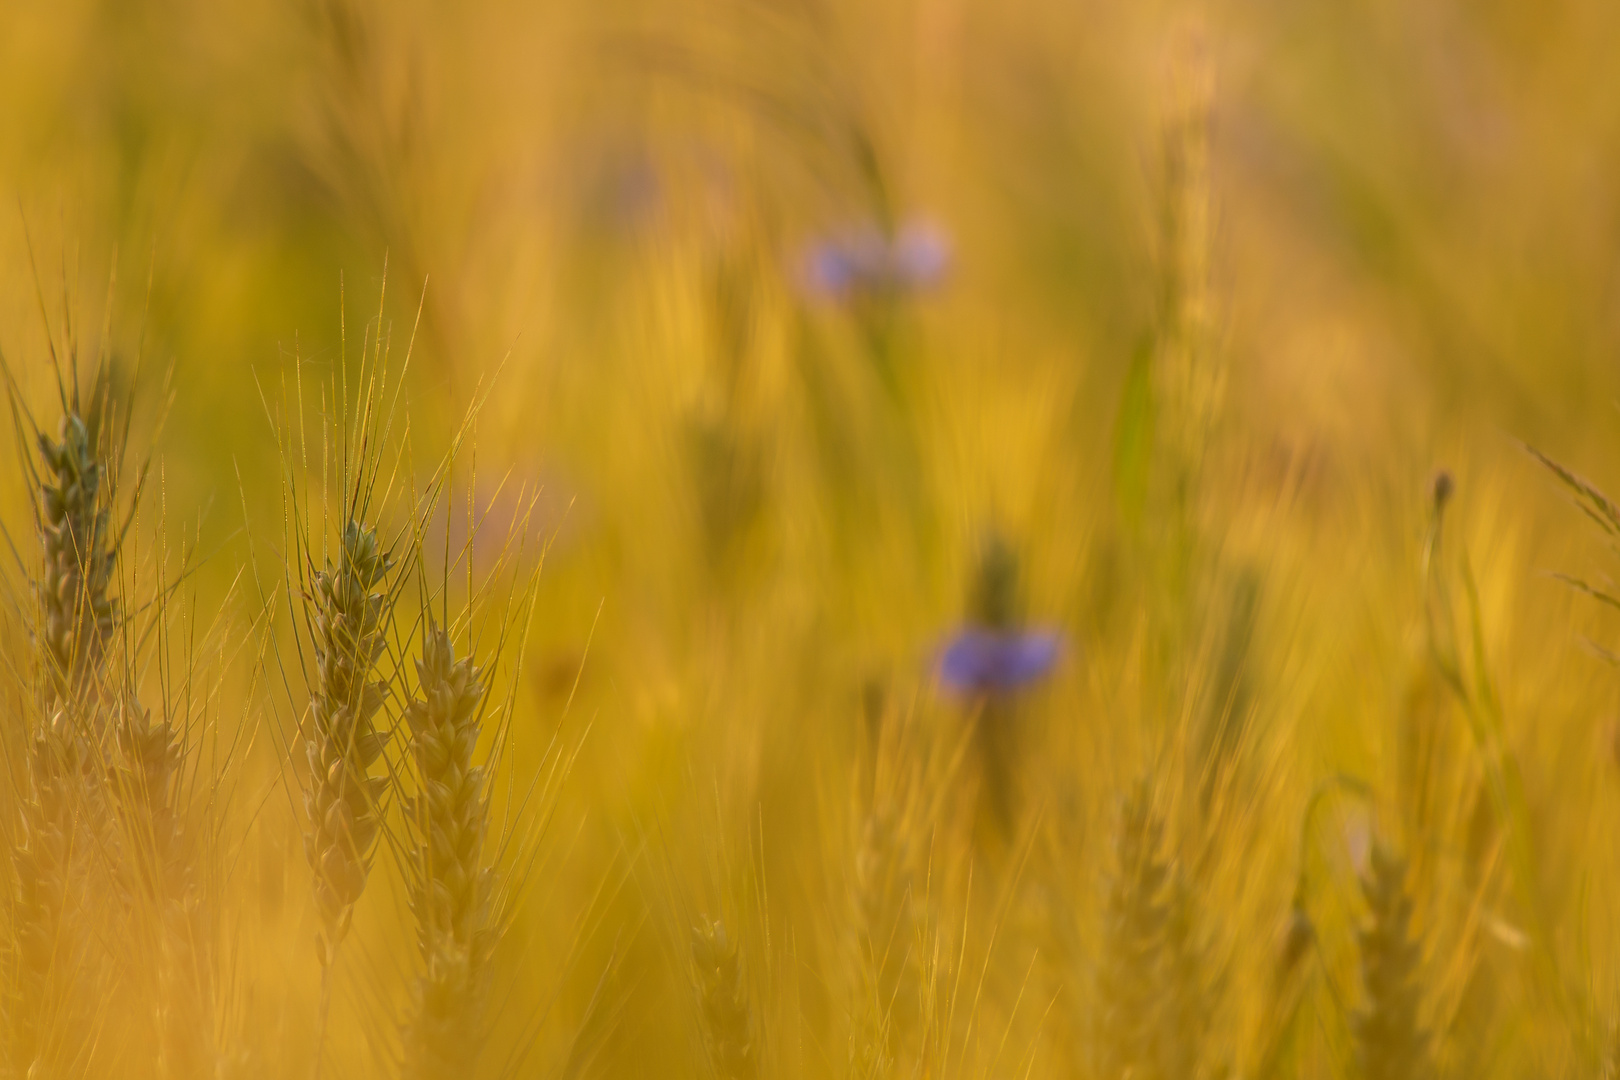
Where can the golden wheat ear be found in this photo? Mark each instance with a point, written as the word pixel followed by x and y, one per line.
pixel 1390 1041
pixel 1152 987
pixel 347 517
pixel 450 887
pixel 45 859
pixel 728 1020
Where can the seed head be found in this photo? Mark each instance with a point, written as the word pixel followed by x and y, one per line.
pixel 450 887
pixel 727 1022
pixel 348 610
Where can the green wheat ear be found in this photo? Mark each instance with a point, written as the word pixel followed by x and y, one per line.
pixel 450 890
pixel 79 615
pixel 727 1020
pixel 348 615
pixel 1390 1043
pixel 77 622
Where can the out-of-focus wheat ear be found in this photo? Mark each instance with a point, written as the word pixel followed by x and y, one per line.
pixel 1289 976
pixel 1609 1054
pixel 450 887
pixel 44 949
pixel 870 1053
pixel 162 879
pixel 1154 1001
pixel 79 616
pixel 1390 1042
pixel 1061 953
pixel 1134 920
pixel 144 769
pixel 728 1021
pixel 886 927
pixel 348 612
pixel 1187 998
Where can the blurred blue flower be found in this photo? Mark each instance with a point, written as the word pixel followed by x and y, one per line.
pixel 921 255
pixel 836 267
pixel 982 661
pixel 865 261
pixel 530 508
pixel 617 188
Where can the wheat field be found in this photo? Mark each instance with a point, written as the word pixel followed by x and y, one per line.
pixel 809 538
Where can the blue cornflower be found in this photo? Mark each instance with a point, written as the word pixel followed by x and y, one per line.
pixel 979 660
pixel 866 261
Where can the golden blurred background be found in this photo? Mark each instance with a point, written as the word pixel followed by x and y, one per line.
pixel 782 325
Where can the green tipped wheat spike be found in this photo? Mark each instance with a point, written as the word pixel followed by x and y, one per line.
pixel 77 622
pixel 348 616
pixel 1390 1043
pixel 79 616
pixel 727 1022
pixel 450 894
pixel 1151 982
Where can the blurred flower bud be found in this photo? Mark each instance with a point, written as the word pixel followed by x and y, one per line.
pixel 1442 488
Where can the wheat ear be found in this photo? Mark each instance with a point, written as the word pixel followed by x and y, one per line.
pixel 348 613
pixel 1390 1043
pixel 450 890
pixel 79 615
pixel 1151 983
pixel 723 992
